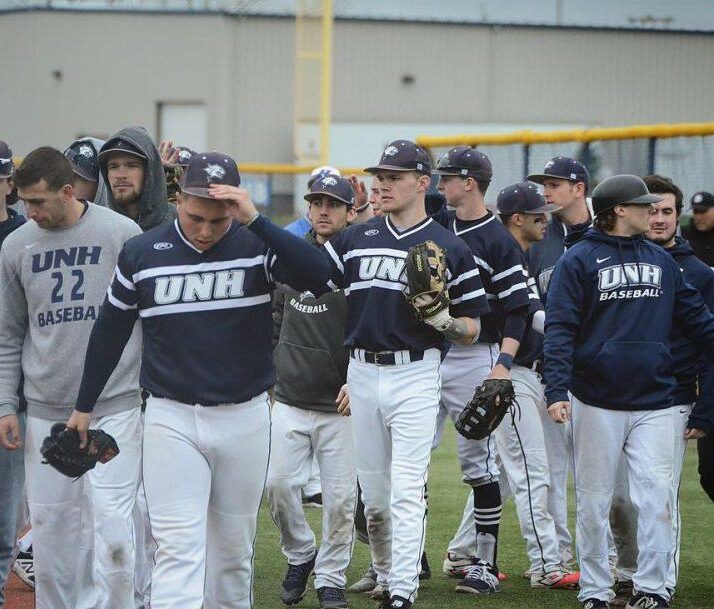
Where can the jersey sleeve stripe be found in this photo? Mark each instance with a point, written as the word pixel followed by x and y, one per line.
pixel 123 280
pixel 463 277
pixel 483 264
pixel 514 269
pixel 469 296
pixel 512 289
pixel 380 283
pixel 118 303
pixel 200 307
pixel 335 258
pixel 197 268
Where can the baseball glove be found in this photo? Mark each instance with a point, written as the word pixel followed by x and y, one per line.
pixel 426 277
pixel 486 410
pixel 61 450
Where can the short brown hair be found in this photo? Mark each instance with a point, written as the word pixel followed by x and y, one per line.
pixel 606 220
pixel 661 185
pixel 45 163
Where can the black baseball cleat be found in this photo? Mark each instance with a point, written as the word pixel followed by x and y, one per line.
pixel 293 587
pixel 24 567
pixel 594 603
pixel 642 600
pixel 480 578
pixel 396 602
pixel 331 598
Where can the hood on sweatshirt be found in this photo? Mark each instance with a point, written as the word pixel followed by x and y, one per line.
pixel 154 208
pixel 102 191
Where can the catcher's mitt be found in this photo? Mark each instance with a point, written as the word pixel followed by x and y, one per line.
pixel 61 450
pixel 426 276
pixel 486 410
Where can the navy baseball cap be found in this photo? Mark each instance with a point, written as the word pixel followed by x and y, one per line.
pixel 522 198
pixel 84 160
pixel 184 156
pixel 207 169
pixel 466 162
pixel 119 146
pixel 333 186
pixel 403 155
pixel 562 168
pixel 7 167
pixel 702 201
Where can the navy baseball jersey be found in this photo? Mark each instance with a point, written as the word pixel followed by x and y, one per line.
pixel 530 349
pixel 500 262
pixel 369 264
pixel 543 255
pixel 206 316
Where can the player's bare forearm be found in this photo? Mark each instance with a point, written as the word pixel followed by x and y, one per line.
pixel 463 331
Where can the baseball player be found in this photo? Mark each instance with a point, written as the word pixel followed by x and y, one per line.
pixel 690 371
pixel 11 462
pixel 130 164
pixel 465 174
pixel 306 419
pixel 302 226
pixel 565 184
pixel 52 270
pixel 519 438
pixel 700 233
pixel 89 184
pixel 393 374
pixel 201 286
pixel 612 299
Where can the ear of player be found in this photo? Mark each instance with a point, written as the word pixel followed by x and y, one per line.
pixel 61 450
pixel 484 413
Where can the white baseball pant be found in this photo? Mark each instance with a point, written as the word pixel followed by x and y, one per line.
pixel 204 475
pixel 600 437
pixel 56 511
pixel 394 417
pixel 297 435
pixel 521 447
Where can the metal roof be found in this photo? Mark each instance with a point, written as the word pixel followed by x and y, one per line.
pixel 667 15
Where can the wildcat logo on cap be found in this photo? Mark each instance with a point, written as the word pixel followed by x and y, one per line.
pixel 328 181
pixel 391 151
pixel 214 172
pixel 86 150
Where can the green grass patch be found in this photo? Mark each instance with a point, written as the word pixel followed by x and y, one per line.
pixel 447 495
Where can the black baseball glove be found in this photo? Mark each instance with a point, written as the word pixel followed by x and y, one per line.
pixel 486 410
pixel 426 277
pixel 61 450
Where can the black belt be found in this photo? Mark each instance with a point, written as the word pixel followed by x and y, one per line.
pixel 385 358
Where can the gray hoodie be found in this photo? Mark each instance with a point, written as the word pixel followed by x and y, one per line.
pixel 154 208
pixel 102 191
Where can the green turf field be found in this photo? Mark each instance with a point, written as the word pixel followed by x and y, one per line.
pixel 446 501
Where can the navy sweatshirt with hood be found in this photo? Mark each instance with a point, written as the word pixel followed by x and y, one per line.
pixel 690 367
pixel 609 316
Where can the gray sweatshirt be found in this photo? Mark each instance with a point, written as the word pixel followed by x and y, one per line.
pixel 52 283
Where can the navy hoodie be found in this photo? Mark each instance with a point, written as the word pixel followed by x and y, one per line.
pixel 689 365
pixel 609 316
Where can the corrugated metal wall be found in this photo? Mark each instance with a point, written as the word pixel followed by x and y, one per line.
pixel 117 67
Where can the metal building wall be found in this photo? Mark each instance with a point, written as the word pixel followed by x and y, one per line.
pixel 116 67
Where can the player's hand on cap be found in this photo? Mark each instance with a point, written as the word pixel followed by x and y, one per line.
pixel 559 411
pixel 241 205
pixel 694 434
pixel 10 432
pixel 343 401
pixel 169 154
pixel 79 421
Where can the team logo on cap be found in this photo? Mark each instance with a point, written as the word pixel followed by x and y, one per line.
pixel 698 198
pixel 86 150
pixel 549 164
pixel 328 181
pixel 215 172
pixel 391 151
pixel 184 155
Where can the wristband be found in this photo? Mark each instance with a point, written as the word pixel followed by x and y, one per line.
pixel 256 215
pixel 505 359
pixel 359 210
